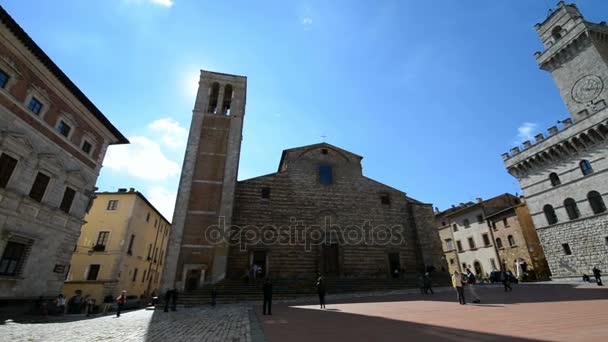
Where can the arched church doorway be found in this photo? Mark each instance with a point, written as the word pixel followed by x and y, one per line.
pixel 478 269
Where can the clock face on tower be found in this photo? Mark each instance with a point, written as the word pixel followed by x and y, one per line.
pixel 587 88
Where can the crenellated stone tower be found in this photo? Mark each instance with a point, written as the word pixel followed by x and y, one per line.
pixel 576 55
pixel 563 172
pixel 205 198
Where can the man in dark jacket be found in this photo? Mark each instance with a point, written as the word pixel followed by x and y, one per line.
pixel 598 276
pixel 321 292
pixel 168 296
pixel 267 296
pixel 174 299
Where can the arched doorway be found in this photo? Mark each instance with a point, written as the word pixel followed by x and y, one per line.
pixel 478 269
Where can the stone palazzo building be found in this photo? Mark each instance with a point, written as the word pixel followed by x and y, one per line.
pixel 563 173
pixel 52 143
pixel 317 214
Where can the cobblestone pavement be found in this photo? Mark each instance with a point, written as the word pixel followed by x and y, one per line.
pixel 226 323
pixel 529 313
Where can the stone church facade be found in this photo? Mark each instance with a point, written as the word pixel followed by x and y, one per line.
pixel 317 214
pixel 563 173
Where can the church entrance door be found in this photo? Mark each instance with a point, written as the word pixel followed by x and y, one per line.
pixel 395 264
pixel 192 279
pixel 331 259
pixel 259 260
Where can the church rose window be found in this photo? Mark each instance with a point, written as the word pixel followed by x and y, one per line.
pixel 325 175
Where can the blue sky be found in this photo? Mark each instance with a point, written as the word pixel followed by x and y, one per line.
pixel 430 93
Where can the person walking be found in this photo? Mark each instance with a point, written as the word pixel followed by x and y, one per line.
pixel 174 299
pixel 107 303
pixel 506 281
pixel 120 300
pixel 598 276
pixel 471 281
pixel 89 304
pixel 321 291
pixel 213 296
pixel 457 284
pixel 427 283
pixel 267 289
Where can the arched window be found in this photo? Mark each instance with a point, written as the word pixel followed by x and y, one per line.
pixel 214 92
pixel 550 214
pixel 596 202
pixel 572 209
pixel 586 168
pixel 498 243
pixel 554 179
pixel 511 240
pixel 227 99
pixel 557 32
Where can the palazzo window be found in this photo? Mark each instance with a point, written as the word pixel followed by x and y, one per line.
pixel 39 187
pixel 586 168
pixel 554 178
pixel 4 77
pixel 12 258
pixel 7 166
pixel 571 209
pixel 63 128
pixel 35 106
pixel 596 202
pixel 93 272
pixel 68 198
pixel 550 214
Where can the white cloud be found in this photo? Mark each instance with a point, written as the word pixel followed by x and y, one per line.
pixel 306 21
pixel 142 159
pixel 163 199
pixel 174 135
pixel 166 3
pixel 526 132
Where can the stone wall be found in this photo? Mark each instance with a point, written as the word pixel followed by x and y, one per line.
pixel 587 239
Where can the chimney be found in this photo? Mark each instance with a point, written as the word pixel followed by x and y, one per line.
pixel 479 199
pixel 131 189
pixel 122 189
pixel 453 206
pixel 436 210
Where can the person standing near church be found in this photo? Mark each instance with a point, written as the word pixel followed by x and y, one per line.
pixel 457 284
pixel 267 296
pixel 598 276
pixel 120 300
pixel 321 292
pixel 168 296
pixel 471 280
pixel 174 299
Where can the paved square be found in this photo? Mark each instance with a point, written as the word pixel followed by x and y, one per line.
pixel 530 312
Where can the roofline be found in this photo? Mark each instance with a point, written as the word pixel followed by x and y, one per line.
pixel 134 193
pixel 475 204
pixel 505 210
pixel 29 43
pixel 223 73
pixel 284 153
pixel 553 11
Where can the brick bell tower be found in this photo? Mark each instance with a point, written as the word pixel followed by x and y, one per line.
pixel 205 197
pixel 576 55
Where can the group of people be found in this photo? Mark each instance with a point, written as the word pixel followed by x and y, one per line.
pixel 468 280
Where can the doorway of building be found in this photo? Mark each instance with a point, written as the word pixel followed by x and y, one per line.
pixel 331 259
pixel 192 279
pixel 258 264
pixel 478 269
pixel 394 264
